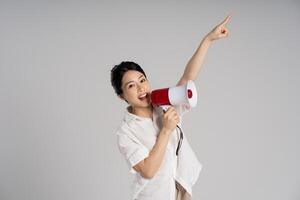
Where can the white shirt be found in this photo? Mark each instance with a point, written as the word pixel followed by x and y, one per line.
pixel 136 137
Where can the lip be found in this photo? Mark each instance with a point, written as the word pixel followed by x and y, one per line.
pixel 142 95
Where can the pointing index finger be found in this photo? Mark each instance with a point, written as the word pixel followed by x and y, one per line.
pixel 227 19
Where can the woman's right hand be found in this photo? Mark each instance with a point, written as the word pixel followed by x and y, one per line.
pixel 220 31
pixel 170 119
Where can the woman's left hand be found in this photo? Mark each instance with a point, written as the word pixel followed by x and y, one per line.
pixel 220 31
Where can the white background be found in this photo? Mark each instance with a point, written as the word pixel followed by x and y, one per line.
pixel 58 111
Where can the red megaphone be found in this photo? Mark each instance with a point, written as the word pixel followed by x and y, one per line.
pixel 183 94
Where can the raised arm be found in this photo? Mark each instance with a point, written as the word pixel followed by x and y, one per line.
pixel 193 66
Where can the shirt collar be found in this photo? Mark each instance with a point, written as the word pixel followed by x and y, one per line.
pixel 128 116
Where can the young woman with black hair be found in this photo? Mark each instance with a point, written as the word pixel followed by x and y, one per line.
pixel 148 137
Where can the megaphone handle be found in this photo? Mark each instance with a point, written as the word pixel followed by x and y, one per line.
pixel 165 108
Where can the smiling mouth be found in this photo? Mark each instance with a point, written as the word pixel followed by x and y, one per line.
pixel 143 97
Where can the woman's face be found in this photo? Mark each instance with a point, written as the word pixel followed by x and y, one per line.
pixel 136 89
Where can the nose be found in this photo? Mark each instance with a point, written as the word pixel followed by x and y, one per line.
pixel 140 88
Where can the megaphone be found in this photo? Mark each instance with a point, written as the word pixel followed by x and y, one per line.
pixel 183 94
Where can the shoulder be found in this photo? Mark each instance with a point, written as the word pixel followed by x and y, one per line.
pixel 123 128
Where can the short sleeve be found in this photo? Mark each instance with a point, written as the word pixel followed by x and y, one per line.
pixel 133 151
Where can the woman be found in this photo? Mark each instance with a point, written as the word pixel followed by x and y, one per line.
pixel 148 137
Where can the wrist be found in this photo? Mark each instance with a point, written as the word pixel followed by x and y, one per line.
pixel 207 40
pixel 166 131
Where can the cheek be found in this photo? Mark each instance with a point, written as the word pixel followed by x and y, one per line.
pixel 149 87
pixel 129 94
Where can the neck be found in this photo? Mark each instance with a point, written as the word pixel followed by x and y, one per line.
pixel 142 112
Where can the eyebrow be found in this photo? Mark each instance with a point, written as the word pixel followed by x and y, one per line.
pixel 132 81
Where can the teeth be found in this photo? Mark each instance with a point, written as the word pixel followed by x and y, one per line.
pixel 142 96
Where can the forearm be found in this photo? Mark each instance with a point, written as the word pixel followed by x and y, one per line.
pixel 194 64
pixel 156 155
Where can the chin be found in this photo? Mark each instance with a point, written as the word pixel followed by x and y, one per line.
pixel 145 105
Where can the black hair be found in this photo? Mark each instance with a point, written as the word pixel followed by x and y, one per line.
pixel 118 71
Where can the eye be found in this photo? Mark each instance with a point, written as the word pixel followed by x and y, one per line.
pixel 143 79
pixel 130 85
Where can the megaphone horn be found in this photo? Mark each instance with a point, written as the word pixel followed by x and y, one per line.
pixel 183 94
